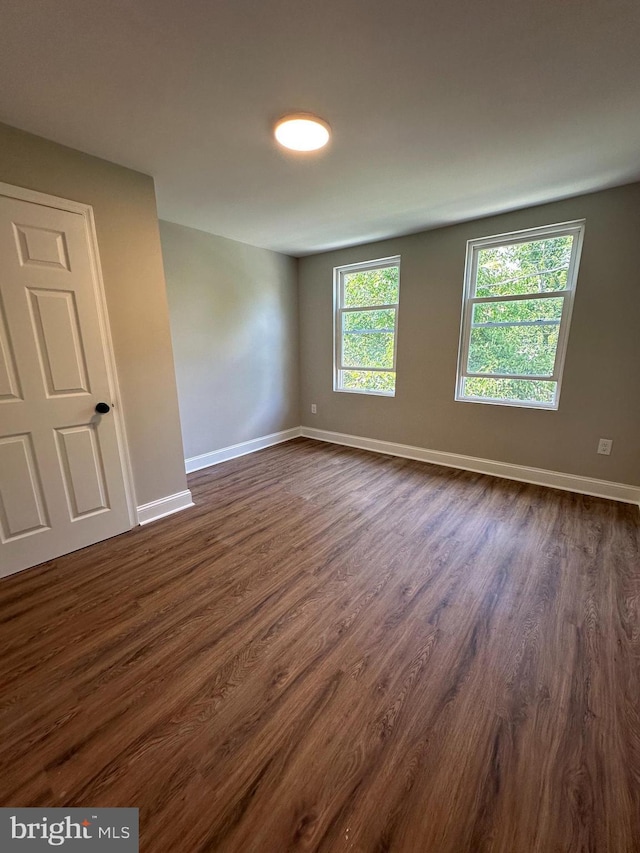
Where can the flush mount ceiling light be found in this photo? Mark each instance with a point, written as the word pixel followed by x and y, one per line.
pixel 302 132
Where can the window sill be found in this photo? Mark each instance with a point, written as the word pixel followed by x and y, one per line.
pixel 514 404
pixel 362 391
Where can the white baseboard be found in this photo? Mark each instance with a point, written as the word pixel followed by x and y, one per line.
pixel 537 476
pixel 204 460
pixel 164 506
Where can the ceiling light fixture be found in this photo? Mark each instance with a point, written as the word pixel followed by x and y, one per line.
pixel 302 132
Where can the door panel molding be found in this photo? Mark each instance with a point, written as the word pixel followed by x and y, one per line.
pixel 63 364
pixel 79 447
pixel 18 465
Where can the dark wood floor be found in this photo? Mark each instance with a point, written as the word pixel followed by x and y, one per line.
pixel 338 651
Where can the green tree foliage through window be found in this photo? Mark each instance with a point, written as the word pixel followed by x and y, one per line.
pixel 515 337
pixel 372 287
pixel 516 308
pixel 367 303
pixel 520 268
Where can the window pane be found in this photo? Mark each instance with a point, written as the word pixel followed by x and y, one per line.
pixel 363 380
pixel 367 338
pixel 517 338
pixel 536 267
pixel 520 311
pixel 510 390
pixel 371 287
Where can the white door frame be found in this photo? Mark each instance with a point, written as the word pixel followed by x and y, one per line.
pixel 86 211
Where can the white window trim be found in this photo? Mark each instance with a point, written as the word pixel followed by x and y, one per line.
pixel 575 228
pixel 338 311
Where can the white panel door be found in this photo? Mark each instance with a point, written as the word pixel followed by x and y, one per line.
pixel 62 477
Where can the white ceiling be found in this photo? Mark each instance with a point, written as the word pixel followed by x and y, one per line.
pixel 442 110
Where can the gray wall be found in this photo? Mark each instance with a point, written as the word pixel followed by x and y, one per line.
pixel 234 321
pixel 601 387
pixel 126 219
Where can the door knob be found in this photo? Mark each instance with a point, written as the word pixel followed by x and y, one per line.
pixel 103 408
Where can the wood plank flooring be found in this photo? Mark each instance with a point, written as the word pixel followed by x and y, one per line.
pixel 338 651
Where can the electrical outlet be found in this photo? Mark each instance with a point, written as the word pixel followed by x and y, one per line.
pixel 605 445
pixel 314 409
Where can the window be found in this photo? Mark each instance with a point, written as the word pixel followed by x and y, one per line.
pixel 518 296
pixel 366 324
